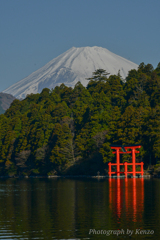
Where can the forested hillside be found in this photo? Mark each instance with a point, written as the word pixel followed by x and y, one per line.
pixel 69 131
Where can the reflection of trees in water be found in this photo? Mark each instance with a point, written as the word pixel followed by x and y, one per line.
pixel 37 208
pixel 62 208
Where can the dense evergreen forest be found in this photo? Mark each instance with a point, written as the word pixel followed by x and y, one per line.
pixel 69 131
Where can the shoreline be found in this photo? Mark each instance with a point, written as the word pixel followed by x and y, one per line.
pixel 81 176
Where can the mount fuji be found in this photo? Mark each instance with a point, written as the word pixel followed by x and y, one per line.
pixel 72 66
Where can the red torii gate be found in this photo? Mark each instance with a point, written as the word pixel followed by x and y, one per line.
pixel 125 164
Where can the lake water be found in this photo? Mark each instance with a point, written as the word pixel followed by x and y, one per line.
pixel 62 208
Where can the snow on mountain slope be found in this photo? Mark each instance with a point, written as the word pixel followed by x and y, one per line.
pixel 74 65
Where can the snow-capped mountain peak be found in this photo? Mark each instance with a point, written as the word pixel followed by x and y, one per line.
pixel 72 66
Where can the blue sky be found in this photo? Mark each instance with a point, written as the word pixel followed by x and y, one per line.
pixel 33 32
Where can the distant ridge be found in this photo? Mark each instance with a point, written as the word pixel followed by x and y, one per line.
pixel 74 65
pixel 5 101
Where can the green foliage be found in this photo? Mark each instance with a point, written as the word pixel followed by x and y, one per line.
pixel 59 129
pixel 62 149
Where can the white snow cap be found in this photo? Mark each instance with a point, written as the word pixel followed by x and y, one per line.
pixel 74 65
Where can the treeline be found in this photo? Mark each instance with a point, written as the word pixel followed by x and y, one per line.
pixel 60 131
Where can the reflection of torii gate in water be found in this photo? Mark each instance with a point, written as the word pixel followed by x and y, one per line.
pixel 127 194
pixel 125 164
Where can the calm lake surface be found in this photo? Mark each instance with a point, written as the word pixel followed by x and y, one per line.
pixel 62 208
